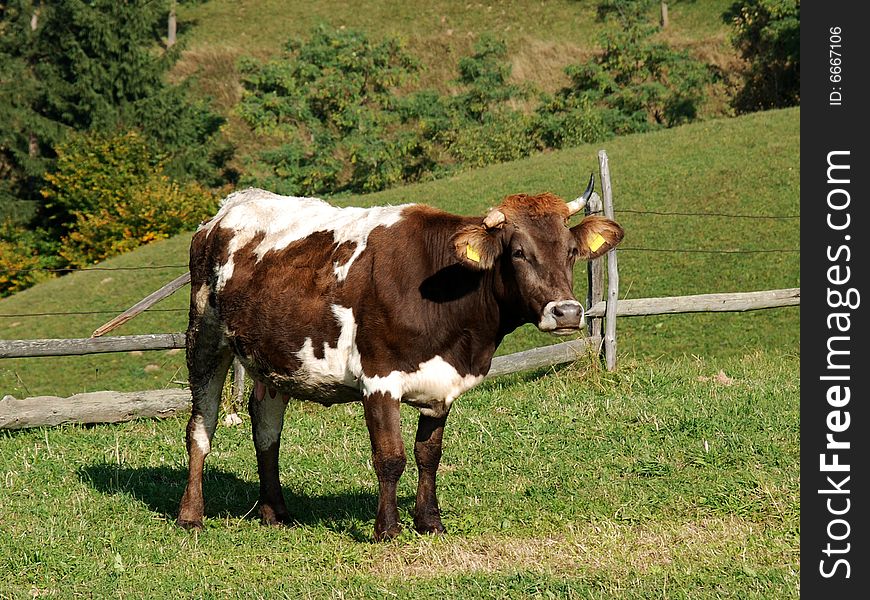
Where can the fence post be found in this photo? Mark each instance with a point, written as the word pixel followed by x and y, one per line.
pixel 612 272
pixel 594 277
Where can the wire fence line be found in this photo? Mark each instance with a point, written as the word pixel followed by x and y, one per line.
pixel 78 313
pixel 732 252
pixel 626 210
pixel 660 213
pixel 621 249
pixel 88 269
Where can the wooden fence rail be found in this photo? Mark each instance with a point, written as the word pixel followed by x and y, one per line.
pixel 726 302
pixel 114 407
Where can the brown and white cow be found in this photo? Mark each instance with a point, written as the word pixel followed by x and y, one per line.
pixel 381 305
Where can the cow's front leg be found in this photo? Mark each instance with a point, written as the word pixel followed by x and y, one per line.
pixel 427 452
pixel 388 458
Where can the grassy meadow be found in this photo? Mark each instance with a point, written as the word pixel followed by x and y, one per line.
pixel 741 166
pixel 675 479
pixel 676 476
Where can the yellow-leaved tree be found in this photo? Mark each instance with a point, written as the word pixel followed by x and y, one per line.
pixel 109 195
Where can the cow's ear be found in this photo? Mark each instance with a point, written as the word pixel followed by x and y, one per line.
pixel 477 246
pixel 595 235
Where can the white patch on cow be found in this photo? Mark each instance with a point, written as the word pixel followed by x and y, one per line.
pixel 201 435
pixel 548 320
pixel 201 298
pixel 340 364
pixel 205 422
pixel 269 415
pixel 431 388
pixel 285 219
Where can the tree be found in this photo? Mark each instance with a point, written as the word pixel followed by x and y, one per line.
pixel 634 84
pixel 25 134
pixel 767 34
pixel 96 65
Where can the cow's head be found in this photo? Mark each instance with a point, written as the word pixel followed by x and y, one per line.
pixel 527 242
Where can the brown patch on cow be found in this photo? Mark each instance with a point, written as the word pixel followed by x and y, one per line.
pixel 343 252
pixel 273 305
pixel 412 300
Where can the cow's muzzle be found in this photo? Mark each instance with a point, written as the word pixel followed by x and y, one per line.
pixel 562 318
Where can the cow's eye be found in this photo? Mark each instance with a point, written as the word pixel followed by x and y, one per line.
pixel 519 254
pixel 573 253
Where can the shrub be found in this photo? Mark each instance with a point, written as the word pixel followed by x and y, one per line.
pixel 24 258
pixel 500 138
pixel 109 195
pixel 331 104
pixel 767 34
pixel 331 96
pixel 571 120
pixel 635 84
pixel 484 76
pixel 158 209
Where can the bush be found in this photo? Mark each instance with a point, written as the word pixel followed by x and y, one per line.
pixel 767 34
pixel 159 209
pixel 24 258
pixel 331 104
pixel 332 98
pixel 500 138
pixel 635 84
pixel 485 76
pixel 109 195
pixel 571 120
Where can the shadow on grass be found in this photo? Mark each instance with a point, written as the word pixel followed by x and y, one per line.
pixel 227 496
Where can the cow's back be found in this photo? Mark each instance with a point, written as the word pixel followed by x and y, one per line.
pixel 273 268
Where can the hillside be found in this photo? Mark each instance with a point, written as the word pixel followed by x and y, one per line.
pixel 743 166
pixel 542 38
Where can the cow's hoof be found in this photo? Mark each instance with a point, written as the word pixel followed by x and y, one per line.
pixel 187 524
pixel 431 527
pixel 387 534
pixel 269 516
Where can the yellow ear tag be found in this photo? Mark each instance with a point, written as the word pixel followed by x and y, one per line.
pixel 472 253
pixel 596 242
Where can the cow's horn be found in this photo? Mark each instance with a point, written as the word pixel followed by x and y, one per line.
pixel 494 218
pixel 577 205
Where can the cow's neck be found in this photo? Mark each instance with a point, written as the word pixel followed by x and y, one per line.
pixel 468 300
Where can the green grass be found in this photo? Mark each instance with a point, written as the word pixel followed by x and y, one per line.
pixel 662 479
pixel 747 165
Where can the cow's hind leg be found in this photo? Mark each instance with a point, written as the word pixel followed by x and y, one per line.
pixel 427 452
pixel 208 360
pixel 388 459
pixel 266 408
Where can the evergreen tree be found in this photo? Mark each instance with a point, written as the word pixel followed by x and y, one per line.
pixel 95 65
pixel 25 134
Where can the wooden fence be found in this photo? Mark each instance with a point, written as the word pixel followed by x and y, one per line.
pixel 117 406
pixel 729 302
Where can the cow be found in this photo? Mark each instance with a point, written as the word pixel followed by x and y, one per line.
pixel 378 305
